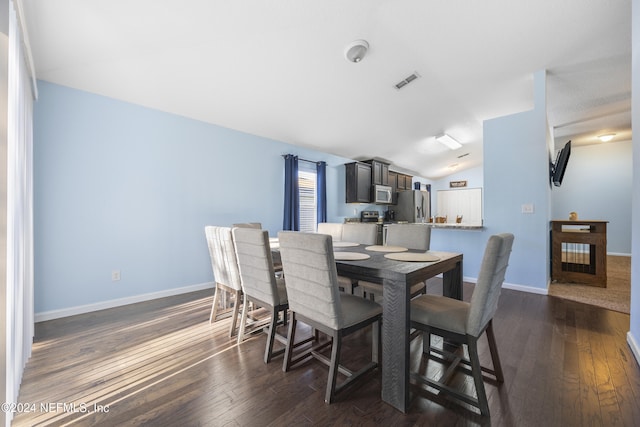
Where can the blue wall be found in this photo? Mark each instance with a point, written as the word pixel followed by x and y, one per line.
pixel 597 185
pixel 516 172
pixel 122 187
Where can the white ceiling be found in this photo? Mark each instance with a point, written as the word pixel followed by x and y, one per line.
pixel 277 68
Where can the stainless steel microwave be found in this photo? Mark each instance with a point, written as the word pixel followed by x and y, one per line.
pixel 382 194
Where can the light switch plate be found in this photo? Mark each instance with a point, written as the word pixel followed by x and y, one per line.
pixel 527 208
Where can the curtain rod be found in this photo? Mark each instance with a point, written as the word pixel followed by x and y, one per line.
pixel 304 160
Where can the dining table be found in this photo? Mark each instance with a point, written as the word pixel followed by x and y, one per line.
pixel 375 264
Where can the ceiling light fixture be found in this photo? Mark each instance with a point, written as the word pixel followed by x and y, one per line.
pixel 448 141
pixel 606 137
pixel 356 50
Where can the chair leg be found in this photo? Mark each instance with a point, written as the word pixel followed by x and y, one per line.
pixel 476 370
pixel 493 349
pixel 268 351
pixel 333 369
pixel 234 317
pixel 214 306
pixel 426 342
pixel 243 320
pixel 288 352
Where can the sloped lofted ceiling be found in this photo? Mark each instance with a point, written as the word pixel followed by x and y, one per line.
pixel 277 69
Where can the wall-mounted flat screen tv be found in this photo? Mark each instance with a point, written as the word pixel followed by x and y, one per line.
pixel 560 166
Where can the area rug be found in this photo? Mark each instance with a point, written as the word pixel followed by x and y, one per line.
pixel 616 296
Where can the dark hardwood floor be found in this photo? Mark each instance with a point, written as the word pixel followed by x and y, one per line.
pixel 161 363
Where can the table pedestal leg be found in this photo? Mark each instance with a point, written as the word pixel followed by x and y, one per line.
pixel 452 282
pixel 395 345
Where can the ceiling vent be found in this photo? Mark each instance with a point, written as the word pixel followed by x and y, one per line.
pixel 463 155
pixel 406 81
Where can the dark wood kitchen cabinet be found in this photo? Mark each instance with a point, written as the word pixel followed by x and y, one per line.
pixel 379 172
pixel 401 182
pixel 404 182
pixel 358 180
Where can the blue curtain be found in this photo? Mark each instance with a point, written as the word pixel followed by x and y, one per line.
pixel 291 194
pixel 321 188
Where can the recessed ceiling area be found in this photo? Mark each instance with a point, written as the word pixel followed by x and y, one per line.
pixel 592 99
pixel 278 69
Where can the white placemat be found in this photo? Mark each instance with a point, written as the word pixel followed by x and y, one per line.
pixel 412 256
pixel 350 256
pixel 340 244
pixel 381 248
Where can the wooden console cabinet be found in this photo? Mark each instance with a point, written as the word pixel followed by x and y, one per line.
pixel 579 252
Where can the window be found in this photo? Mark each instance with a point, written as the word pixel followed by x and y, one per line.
pixel 307 184
pixel 303 206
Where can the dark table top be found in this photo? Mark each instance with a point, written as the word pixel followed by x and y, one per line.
pixel 377 267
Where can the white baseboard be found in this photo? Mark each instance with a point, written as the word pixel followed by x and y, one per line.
pixel 512 286
pixel 524 288
pixel 635 348
pixel 81 309
pixel 618 254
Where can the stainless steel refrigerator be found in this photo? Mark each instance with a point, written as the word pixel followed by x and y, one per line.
pixel 413 206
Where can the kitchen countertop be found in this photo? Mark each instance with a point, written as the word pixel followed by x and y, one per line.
pixel 457 226
pixel 453 226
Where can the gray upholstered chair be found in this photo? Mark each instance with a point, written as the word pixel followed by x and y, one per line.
pixel 277 265
pixel 260 284
pixel 225 271
pixel 410 236
pixel 314 299
pixel 362 233
pixel 257 225
pixel 333 229
pixel 462 322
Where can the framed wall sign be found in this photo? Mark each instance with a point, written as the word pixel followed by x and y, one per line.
pixel 457 184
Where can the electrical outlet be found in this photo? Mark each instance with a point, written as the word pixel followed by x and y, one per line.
pixel 527 208
pixel 115 275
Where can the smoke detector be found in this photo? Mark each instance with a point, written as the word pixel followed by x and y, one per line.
pixel 356 50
